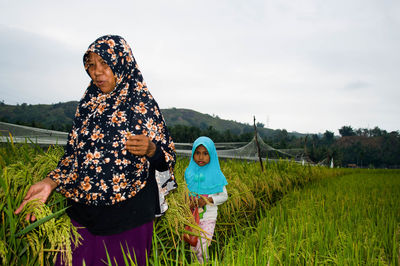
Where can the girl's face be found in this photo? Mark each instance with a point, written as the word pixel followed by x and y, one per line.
pixel 201 156
pixel 101 73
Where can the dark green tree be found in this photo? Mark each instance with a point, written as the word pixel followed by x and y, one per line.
pixel 346 131
pixel 328 137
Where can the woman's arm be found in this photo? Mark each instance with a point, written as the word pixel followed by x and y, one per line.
pixel 41 191
pixel 141 145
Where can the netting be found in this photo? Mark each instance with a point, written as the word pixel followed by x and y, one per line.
pixel 249 151
pixel 22 134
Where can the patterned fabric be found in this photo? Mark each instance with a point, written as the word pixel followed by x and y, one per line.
pixel 162 178
pixel 96 168
pixel 207 179
pixel 201 249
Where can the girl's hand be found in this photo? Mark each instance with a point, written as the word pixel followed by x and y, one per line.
pixel 200 202
pixel 41 191
pixel 140 145
pixel 204 201
pixel 193 202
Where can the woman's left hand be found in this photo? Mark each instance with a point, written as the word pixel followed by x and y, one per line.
pixel 140 145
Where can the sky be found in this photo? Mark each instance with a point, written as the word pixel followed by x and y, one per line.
pixel 306 66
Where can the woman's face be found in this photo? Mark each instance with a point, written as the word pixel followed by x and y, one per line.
pixel 101 73
pixel 201 156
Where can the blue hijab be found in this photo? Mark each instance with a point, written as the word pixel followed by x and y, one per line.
pixel 207 179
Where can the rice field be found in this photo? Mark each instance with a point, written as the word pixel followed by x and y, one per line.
pixel 349 220
pixel 287 215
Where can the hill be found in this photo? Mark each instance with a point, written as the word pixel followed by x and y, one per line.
pixel 50 116
pixel 187 117
pixel 60 117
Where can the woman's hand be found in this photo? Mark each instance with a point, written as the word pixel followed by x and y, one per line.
pixel 40 191
pixel 140 145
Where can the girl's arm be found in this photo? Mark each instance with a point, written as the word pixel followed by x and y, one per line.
pixel 214 199
pixel 219 198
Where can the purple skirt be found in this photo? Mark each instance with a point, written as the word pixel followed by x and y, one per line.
pixel 136 242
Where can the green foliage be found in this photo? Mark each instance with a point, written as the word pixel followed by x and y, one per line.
pixel 346 131
pixel 22 242
pixel 188 134
pixel 60 117
pixel 339 221
pixel 251 192
pixel 365 148
pixel 288 214
pixel 50 116
pixel 381 151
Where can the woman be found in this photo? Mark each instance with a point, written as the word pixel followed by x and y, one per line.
pixel 118 141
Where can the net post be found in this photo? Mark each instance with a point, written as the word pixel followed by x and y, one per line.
pixel 258 145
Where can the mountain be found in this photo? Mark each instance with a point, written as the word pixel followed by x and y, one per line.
pixel 187 117
pixel 60 116
pixel 50 116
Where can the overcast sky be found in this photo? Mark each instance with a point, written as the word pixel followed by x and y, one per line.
pixel 306 66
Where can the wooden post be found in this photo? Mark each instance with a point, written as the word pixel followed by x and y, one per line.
pixel 305 147
pixel 258 145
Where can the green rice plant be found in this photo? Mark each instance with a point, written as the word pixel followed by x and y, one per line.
pixel 22 242
pixel 251 193
pixel 350 220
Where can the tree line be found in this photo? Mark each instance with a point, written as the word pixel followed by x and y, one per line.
pixel 360 147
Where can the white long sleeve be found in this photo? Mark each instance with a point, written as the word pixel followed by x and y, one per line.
pixel 212 209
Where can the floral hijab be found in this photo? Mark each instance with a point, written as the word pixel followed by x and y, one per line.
pixel 96 168
pixel 207 179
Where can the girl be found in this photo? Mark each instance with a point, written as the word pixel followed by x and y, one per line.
pixel 204 177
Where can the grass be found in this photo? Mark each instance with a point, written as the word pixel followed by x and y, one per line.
pixel 288 214
pixel 350 220
pixel 21 242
